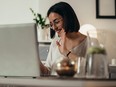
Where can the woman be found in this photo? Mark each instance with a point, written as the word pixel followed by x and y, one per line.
pixel 70 43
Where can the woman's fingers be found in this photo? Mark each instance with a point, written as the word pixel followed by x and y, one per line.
pixel 58 44
pixel 62 42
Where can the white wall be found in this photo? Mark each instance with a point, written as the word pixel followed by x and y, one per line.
pixel 17 11
pixel 85 10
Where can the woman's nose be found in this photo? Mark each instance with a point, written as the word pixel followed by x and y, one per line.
pixel 54 27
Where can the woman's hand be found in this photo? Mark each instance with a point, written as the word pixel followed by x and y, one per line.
pixel 62 43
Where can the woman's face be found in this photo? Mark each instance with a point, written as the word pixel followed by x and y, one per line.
pixel 56 23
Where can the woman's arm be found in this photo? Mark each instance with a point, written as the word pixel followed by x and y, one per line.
pixel 44 69
pixel 63 49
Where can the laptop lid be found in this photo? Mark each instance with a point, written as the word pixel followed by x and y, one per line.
pixel 19 54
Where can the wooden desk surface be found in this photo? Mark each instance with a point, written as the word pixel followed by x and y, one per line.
pixel 56 82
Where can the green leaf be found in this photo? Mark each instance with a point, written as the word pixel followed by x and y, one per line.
pixel 39 19
pixel 98 50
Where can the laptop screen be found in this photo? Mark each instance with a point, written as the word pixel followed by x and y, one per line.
pixel 19 54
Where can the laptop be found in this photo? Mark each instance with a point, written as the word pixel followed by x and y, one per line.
pixel 19 55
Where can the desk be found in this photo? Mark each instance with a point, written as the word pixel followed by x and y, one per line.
pixel 55 82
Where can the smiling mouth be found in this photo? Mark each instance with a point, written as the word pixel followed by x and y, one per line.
pixel 58 31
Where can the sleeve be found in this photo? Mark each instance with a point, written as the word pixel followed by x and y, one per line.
pixel 49 59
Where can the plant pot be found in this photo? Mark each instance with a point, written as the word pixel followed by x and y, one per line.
pixel 43 34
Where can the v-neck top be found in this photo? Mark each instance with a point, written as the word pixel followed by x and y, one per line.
pixel 54 53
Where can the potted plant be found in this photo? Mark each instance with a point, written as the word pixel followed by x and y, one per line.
pixel 40 21
pixel 42 27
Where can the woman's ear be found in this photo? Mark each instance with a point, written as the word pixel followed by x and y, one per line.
pixel 52 33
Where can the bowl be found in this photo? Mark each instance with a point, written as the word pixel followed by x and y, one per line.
pixel 66 67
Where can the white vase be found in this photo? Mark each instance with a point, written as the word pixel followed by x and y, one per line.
pixel 43 34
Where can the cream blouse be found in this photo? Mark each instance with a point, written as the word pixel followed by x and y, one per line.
pixel 54 53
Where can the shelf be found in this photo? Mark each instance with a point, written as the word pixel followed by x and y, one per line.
pixel 112 65
pixel 47 42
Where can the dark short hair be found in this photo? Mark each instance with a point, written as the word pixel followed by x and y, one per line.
pixel 71 23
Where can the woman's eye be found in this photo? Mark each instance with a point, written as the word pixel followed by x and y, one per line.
pixel 56 22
